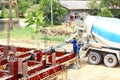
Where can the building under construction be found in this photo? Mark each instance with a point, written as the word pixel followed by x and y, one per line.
pixel 51 64
pixel 21 68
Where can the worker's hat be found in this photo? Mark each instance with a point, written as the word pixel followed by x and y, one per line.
pixel 31 51
pixel 81 28
pixel 74 37
pixel 39 49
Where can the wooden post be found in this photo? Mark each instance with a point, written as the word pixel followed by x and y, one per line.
pixel 16 8
pixel 14 68
pixel 10 22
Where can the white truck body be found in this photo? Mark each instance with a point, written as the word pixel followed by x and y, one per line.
pixel 103 35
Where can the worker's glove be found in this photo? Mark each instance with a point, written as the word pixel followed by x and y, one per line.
pixel 52 50
pixel 67 41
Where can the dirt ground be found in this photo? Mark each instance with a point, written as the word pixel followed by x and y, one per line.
pixel 85 72
pixel 94 72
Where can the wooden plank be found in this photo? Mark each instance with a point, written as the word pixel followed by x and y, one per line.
pixel 7 77
pixel 43 74
pixel 4 61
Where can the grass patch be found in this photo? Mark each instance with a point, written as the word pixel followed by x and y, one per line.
pixel 29 33
pixel 3 35
pixel 26 32
pixel 53 38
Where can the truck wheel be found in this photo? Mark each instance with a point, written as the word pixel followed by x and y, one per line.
pixel 94 58
pixel 110 60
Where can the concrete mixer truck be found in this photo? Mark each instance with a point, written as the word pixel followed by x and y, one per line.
pixel 102 40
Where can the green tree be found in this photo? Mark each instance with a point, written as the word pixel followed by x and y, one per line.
pixel 40 15
pixel 94 6
pixel 36 1
pixel 23 5
pixel 105 12
pixel 58 11
pixel 113 5
pixel 109 8
pixel 35 16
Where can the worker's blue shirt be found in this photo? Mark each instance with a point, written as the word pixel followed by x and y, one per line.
pixel 79 46
pixel 74 42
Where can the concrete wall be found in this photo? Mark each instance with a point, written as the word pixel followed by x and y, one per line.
pixel 4 24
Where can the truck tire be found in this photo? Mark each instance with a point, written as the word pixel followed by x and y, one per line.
pixel 110 60
pixel 94 58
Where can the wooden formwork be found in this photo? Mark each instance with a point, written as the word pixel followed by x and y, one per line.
pixel 50 68
pixel 12 73
pixel 62 61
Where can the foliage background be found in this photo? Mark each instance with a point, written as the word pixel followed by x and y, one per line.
pixel 105 8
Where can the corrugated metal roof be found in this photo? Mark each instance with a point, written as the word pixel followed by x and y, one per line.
pixel 74 4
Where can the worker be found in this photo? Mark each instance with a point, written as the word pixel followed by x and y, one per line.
pixel 74 42
pixel 39 56
pixel 78 48
pixel 32 56
pixel 9 58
